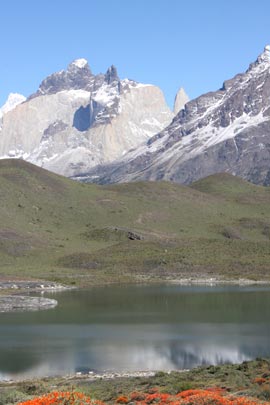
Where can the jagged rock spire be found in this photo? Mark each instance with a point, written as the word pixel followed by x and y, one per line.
pixel 180 100
pixel 111 75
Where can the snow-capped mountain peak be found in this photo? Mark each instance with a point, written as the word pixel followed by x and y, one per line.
pixel 261 64
pixel 77 120
pixel 13 100
pixel 80 63
pixel 265 56
pixel 223 131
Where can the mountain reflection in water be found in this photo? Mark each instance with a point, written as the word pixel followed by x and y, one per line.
pixel 142 328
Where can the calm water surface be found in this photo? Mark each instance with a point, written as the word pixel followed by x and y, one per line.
pixel 137 328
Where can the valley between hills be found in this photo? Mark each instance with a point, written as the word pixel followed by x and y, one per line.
pixel 56 229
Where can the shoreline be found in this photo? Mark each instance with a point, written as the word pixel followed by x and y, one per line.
pixel 212 281
pixel 11 301
pixel 92 376
pixel 248 378
pixel 31 285
pixel 16 301
pixel 28 286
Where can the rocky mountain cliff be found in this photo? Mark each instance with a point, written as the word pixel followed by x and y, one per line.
pixel 223 131
pixel 77 120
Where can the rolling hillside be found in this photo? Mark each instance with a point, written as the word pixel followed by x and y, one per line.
pixel 82 234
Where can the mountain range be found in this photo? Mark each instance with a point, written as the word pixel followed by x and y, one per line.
pixel 77 120
pixel 223 131
pixel 98 128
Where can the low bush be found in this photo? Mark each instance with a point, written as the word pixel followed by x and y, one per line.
pixel 209 396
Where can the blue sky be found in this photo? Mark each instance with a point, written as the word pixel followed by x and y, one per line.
pixel 196 44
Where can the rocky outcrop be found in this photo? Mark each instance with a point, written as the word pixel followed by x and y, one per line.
pixel 19 303
pixel 77 120
pixel 180 100
pixel 111 75
pixel 78 76
pixel 223 131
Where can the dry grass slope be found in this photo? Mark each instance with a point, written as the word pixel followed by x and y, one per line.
pixel 57 229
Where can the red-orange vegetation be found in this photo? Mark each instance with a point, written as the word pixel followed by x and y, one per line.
pixel 188 393
pixel 260 380
pixel 122 400
pixel 62 398
pixel 210 396
pixel 137 396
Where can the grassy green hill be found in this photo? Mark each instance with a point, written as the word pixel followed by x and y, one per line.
pixel 57 229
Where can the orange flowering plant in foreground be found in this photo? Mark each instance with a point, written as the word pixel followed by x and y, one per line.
pixel 197 397
pixel 62 398
pixel 209 396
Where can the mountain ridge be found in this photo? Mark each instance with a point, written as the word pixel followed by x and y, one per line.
pixel 77 120
pixel 222 131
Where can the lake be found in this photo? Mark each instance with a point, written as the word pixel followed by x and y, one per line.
pixel 130 328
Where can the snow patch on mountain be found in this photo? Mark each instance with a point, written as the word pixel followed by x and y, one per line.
pixel 202 139
pixel 76 94
pixel 265 56
pixel 226 130
pixel 80 63
pixel 13 100
pixel 106 94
